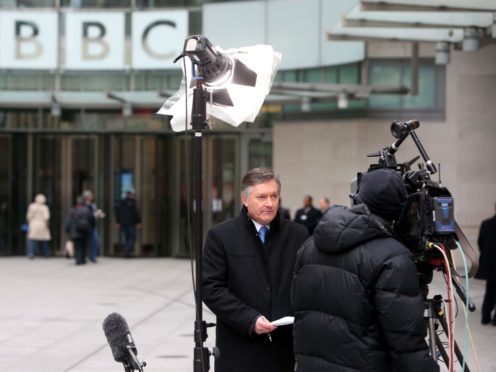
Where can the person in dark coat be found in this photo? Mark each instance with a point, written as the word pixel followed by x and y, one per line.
pixel 324 204
pixel 355 293
pixel 89 201
pixel 283 212
pixel 128 220
pixel 247 269
pixel 308 216
pixel 487 267
pixel 79 225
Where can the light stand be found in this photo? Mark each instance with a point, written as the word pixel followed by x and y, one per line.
pixel 233 86
pixel 209 63
pixel 201 356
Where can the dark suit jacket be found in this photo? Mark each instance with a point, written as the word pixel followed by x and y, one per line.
pixel 308 218
pixel 487 247
pixel 243 278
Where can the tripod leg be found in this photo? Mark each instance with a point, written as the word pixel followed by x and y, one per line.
pixel 460 357
pixel 432 336
pixel 441 349
pixel 444 325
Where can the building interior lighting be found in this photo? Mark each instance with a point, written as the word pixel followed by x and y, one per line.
pixel 305 104
pixel 343 101
pixel 443 53
pixel 470 39
pixel 127 109
pixel 56 110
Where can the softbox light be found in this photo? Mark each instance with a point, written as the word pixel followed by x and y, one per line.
pixel 236 81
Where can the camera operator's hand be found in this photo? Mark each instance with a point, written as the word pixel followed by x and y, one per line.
pixel 262 325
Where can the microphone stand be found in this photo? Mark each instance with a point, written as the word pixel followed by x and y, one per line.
pixel 198 122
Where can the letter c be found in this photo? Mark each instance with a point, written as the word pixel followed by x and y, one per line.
pixel 146 46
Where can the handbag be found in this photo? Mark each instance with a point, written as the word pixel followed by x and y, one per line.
pixel 69 249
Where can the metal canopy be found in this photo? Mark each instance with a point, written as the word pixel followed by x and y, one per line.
pixel 468 25
pixel 95 100
pixel 24 99
pixel 80 100
pixel 139 99
pixel 358 90
pixel 358 17
pixel 445 5
pixel 396 34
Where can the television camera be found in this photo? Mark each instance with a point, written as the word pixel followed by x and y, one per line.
pixel 428 217
pixel 427 227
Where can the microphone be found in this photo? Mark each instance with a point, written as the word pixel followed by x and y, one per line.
pixel 121 342
pixel 399 129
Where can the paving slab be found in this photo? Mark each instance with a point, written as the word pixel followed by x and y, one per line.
pixel 51 314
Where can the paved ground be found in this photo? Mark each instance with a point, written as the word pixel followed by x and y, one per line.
pixel 51 314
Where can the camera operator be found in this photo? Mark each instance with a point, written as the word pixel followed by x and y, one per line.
pixel 356 293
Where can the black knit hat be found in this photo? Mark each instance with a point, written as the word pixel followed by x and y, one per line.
pixel 384 193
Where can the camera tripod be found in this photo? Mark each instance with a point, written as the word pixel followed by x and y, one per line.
pixel 435 315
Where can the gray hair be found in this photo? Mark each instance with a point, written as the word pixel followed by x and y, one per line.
pixel 87 194
pixel 257 176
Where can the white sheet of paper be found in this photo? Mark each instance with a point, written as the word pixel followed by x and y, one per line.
pixel 283 321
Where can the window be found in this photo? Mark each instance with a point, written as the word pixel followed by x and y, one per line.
pixel 397 73
pixel 343 74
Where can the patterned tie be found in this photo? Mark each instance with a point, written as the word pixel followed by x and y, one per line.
pixel 262 233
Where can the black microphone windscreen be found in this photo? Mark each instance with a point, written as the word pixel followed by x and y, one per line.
pixel 412 124
pixel 116 330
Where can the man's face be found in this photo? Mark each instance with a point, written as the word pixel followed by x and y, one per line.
pixel 323 205
pixel 307 201
pixel 262 202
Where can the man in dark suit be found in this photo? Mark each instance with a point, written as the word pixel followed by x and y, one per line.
pixel 308 216
pixel 487 266
pixel 247 270
pixel 128 220
pixel 324 205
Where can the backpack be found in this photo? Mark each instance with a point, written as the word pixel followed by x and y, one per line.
pixel 82 224
pixel 81 221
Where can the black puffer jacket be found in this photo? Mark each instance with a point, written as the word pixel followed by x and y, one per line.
pixel 357 300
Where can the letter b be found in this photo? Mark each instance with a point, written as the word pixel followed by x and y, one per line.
pixel 98 40
pixel 21 40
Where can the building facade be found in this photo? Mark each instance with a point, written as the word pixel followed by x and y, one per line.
pixel 77 115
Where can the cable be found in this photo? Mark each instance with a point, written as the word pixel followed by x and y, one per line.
pixel 188 189
pixel 473 349
pixel 465 332
pixel 451 322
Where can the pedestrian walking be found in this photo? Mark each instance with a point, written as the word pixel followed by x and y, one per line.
pixel 38 217
pixel 129 221
pixel 79 224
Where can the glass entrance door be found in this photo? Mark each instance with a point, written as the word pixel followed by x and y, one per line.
pixel 138 165
pixel 222 178
pixel 62 168
pixel 5 230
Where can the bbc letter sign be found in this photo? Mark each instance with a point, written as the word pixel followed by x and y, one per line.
pixel 94 41
pixel 158 38
pixel 28 40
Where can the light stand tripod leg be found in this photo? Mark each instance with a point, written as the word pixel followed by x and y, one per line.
pixel 201 362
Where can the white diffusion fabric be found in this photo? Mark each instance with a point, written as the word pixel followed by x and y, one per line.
pixel 247 100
